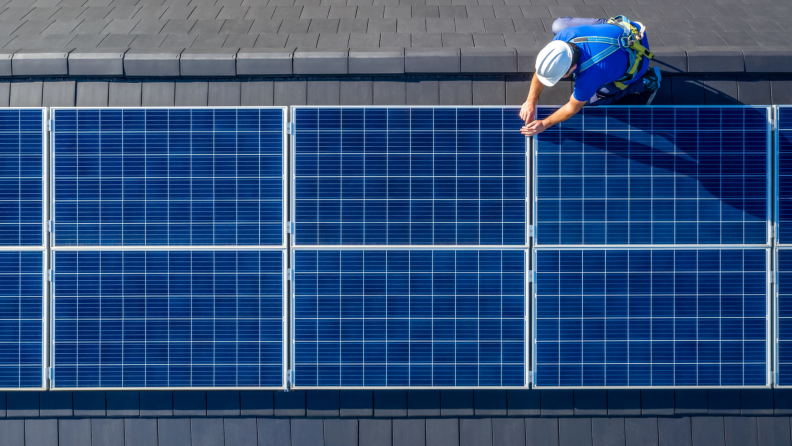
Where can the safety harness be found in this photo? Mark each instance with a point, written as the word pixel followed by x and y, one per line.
pixel 629 42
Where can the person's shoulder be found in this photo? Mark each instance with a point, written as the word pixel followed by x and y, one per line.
pixel 564 35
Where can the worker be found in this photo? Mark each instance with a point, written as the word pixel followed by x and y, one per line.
pixel 607 58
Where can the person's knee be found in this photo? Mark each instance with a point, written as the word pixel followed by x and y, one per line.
pixel 561 24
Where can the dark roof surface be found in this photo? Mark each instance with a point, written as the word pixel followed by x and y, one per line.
pixel 285 37
pixel 424 91
pixel 695 417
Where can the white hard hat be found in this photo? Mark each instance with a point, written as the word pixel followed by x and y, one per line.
pixel 553 62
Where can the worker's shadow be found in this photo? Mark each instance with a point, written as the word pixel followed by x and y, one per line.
pixel 729 166
pixel 710 90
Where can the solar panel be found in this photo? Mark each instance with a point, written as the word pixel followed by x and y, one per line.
pixel 169 319
pixel 409 318
pixel 784 181
pixel 22 148
pixel 169 176
pixel 647 318
pixel 21 319
pixel 409 176
pixel 783 314
pixel 659 175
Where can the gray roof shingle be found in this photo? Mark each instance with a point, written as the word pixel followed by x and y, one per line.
pixel 694 29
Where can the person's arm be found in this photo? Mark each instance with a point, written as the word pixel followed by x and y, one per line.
pixel 561 115
pixel 528 110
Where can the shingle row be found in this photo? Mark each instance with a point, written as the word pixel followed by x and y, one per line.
pixel 309 9
pixel 578 431
pixel 399 403
pixel 231 62
pixel 673 32
pixel 366 36
pixel 73 27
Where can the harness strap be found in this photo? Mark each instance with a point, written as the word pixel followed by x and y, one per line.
pixel 614 46
pixel 598 57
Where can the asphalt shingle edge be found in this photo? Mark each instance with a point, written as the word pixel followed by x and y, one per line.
pixel 235 62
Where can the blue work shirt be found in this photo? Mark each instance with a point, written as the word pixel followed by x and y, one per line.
pixel 608 70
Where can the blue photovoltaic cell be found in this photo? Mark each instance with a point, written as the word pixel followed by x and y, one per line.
pixel 409 176
pixel 664 175
pixel 784 224
pixel 21 325
pixel 168 319
pixel 784 314
pixel 21 177
pixel 409 318
pixel 645 318
pixel 168 176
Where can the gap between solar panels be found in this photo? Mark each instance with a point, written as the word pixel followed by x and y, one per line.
pixel 168 248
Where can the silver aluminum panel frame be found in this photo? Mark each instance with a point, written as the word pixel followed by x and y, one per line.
pixel 768 315
pixel 769 190
pixel 292 176
pixel 284 310
pixel 284 174
pixel 527 319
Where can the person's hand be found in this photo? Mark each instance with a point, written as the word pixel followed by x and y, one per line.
pixel 534 128
pixel 528 111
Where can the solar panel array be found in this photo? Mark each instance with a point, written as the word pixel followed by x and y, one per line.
pixel 188 291
pixel 659 175
pixel 409 238
pixel 686 177
pixel 660 317
pixel 22 246
pixel 409 177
